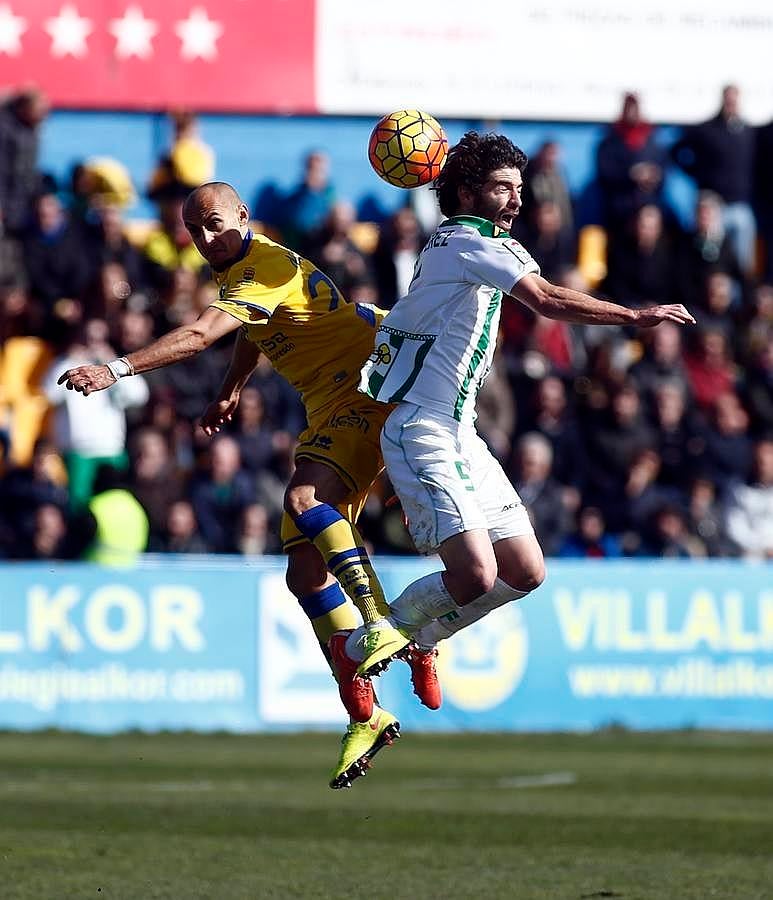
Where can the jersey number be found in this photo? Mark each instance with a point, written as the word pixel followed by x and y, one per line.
pixel 318 277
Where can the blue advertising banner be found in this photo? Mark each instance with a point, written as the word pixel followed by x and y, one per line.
pixel 208 644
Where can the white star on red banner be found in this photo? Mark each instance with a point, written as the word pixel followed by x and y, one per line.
pixel 11 29
pixel 133 34
pixel 68 32
pixel 198 34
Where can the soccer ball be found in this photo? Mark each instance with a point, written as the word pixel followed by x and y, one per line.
pixel 408 148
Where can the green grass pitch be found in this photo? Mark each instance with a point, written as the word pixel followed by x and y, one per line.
pixel 532 817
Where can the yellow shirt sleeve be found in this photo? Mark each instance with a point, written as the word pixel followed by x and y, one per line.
pixel 251 300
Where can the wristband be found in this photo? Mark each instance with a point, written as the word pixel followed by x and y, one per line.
pixel 120 368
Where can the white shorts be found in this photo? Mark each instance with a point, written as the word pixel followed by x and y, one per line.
pixel 447 480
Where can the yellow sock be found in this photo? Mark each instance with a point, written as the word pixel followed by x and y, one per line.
pixel 341 547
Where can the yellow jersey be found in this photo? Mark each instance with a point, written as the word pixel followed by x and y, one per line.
pixel 296 315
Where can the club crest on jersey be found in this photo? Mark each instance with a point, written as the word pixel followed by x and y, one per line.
pixel 249 274
pixel 383 354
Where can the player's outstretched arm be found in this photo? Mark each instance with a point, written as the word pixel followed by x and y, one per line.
pixel 243 361
pixel 173 347
pixel 556 302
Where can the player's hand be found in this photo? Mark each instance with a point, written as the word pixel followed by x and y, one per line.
pixel 87 379
pixel 669 312
pixel 217 414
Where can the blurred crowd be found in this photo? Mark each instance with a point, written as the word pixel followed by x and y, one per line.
pixel 620 442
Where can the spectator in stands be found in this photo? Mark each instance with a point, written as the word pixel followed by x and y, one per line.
pixel 253 432
pixel 590 539
pixel 400 242
pixel 19 314
pixel 46 537
pixel 220 494
pixel 24 489
pixel 105 242
pixel 677 440
pixel 168 246
pixel 705 249
pixel 189 162
pixel 613 440
pixel 717 308
pixel 308 204
pixel 154 479
pixel 640 264
pixel 135 330
pixel 545 182
pixel 20 119
pixel 548 413
pixel 757 386
pixel 331 247
pixel 540 493
pixel 727 454
pixel 749 511
pixel 94 432
pixel 642 498
pixel 120 523
pixel 57 270
pixel 710 367
pixel 180 534
pixel 719 155
pixel 630 166
pixel 669 536
pixel 763 194
pixel 106 296
pixel 706 518
pixel 758 324
pixel 662 361
pixel 254 537
pixel 550 240
pixel 282 403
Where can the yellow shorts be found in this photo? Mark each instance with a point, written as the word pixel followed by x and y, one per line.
pixel 348 440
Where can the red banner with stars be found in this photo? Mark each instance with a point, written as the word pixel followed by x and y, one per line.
pixel 229 55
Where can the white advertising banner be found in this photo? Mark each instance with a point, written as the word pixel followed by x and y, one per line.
pixel 544 59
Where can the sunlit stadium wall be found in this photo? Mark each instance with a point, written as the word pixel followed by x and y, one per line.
pixel 219 643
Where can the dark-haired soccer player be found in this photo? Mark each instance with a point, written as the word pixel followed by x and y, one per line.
pixel 432 353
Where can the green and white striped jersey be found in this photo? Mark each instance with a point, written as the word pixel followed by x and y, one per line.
pixel 435 346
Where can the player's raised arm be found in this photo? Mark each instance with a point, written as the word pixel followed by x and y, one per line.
pixel 243 361
pixel 179 344
pixel 556 302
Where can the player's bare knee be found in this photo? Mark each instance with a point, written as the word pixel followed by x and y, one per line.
pixel 299 498
pixel 480 577
pixel 528 578
pixel 534 577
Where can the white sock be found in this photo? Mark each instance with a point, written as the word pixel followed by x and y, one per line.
pixel 422 601
pixel 455 620
pixel 419 604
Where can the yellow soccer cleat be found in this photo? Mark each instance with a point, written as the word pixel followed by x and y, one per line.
pixel 379 645
pixel 360 744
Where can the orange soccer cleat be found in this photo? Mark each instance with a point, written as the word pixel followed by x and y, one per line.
pixel 423 674
pixel 356 691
